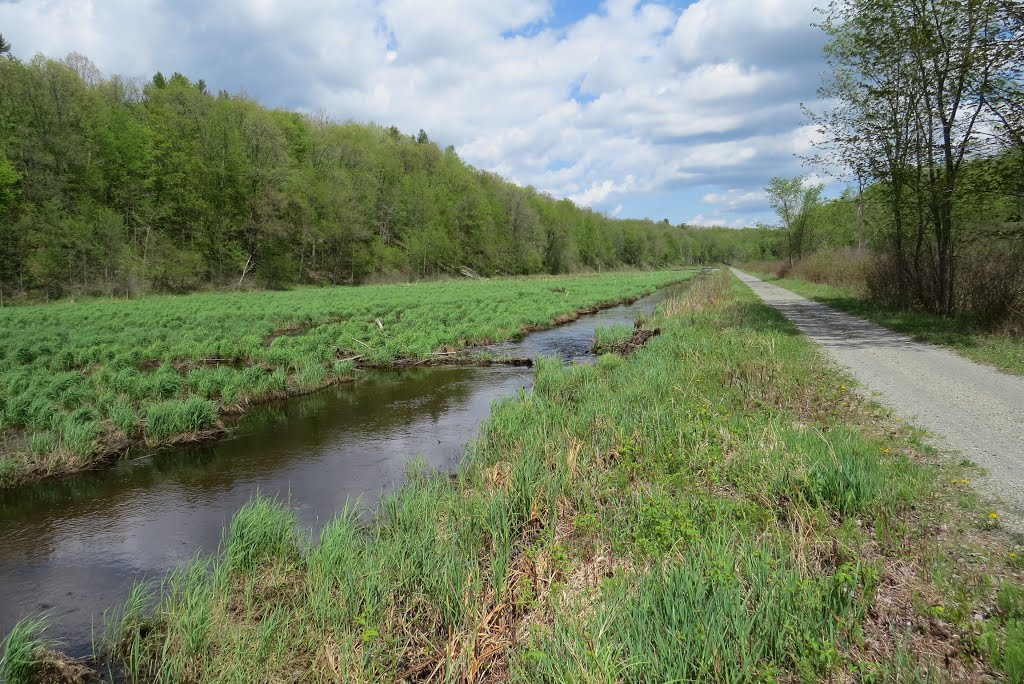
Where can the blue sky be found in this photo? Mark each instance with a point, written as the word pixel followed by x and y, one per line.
pixel 677 110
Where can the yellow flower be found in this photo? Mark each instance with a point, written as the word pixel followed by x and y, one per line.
pixel 1013 555
pixel 887 450
pixel 994 516
pixel 963 481
pixel 940 609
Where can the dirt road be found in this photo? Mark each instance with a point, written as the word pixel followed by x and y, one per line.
pixel 970 408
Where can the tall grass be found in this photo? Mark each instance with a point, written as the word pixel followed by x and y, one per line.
pixel 175 417
pixel 610 338
pixel 21 651
pixel 728 610
pixel 642 520
pixel 153 368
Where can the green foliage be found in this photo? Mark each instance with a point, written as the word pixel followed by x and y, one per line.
pixel 79 437
pixel 611 338
pixel 849 475
pixel 636 521
pixel 796 203
pixel 179 417
pixel 21 651
pixel 901 73
pixel 114 187
pixel 728 611
pixel 1002 637
pixel 90 371
pixel 264 529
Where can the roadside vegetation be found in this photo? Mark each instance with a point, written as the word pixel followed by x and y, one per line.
pixel 80 383
pixel 920 113
pixel 833 278
pixel 718 506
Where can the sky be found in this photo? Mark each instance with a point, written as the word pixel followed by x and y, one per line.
pixel 677 110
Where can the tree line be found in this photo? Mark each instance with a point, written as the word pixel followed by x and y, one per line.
pixel 928 119
pixel 113 186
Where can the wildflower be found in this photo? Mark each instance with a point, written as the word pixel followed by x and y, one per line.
pixel 1013 555
pixel 994 516
pixel 842 387
pixel 940 609
pixel 886 450
pixel 963 481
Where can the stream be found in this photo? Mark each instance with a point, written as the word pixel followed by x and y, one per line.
pixel 73 548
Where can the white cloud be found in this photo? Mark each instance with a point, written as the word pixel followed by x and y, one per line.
pixel 633 98
pixel 598 193
pixel 735 197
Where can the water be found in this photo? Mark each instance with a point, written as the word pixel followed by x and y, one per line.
pixel 73 548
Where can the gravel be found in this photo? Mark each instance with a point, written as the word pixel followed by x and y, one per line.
pixel 968 407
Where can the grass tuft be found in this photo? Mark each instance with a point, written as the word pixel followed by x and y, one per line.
pixel 23 651
pixel 179 417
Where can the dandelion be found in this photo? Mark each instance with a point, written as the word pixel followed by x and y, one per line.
pixel 886 450
pixel 963 481
pixel 1013 555
pixel 994 516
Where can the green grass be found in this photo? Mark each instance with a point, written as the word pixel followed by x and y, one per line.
pixel 958 333
pixel 714 508
pixel 22 650
pixel 78 381
pixel 729 610
pixel 611 338
pixel 177 417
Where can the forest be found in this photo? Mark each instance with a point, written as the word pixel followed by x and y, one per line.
pixel 924 115
pixel 113 187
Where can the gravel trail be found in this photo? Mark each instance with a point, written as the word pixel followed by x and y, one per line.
pixel 970 408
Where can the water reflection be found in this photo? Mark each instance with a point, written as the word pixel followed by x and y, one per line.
pixel 74 547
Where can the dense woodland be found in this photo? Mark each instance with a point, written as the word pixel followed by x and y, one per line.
pixel 928 123
pixel 114 187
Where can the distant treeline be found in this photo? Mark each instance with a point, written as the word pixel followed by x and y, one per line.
pixel 110 186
